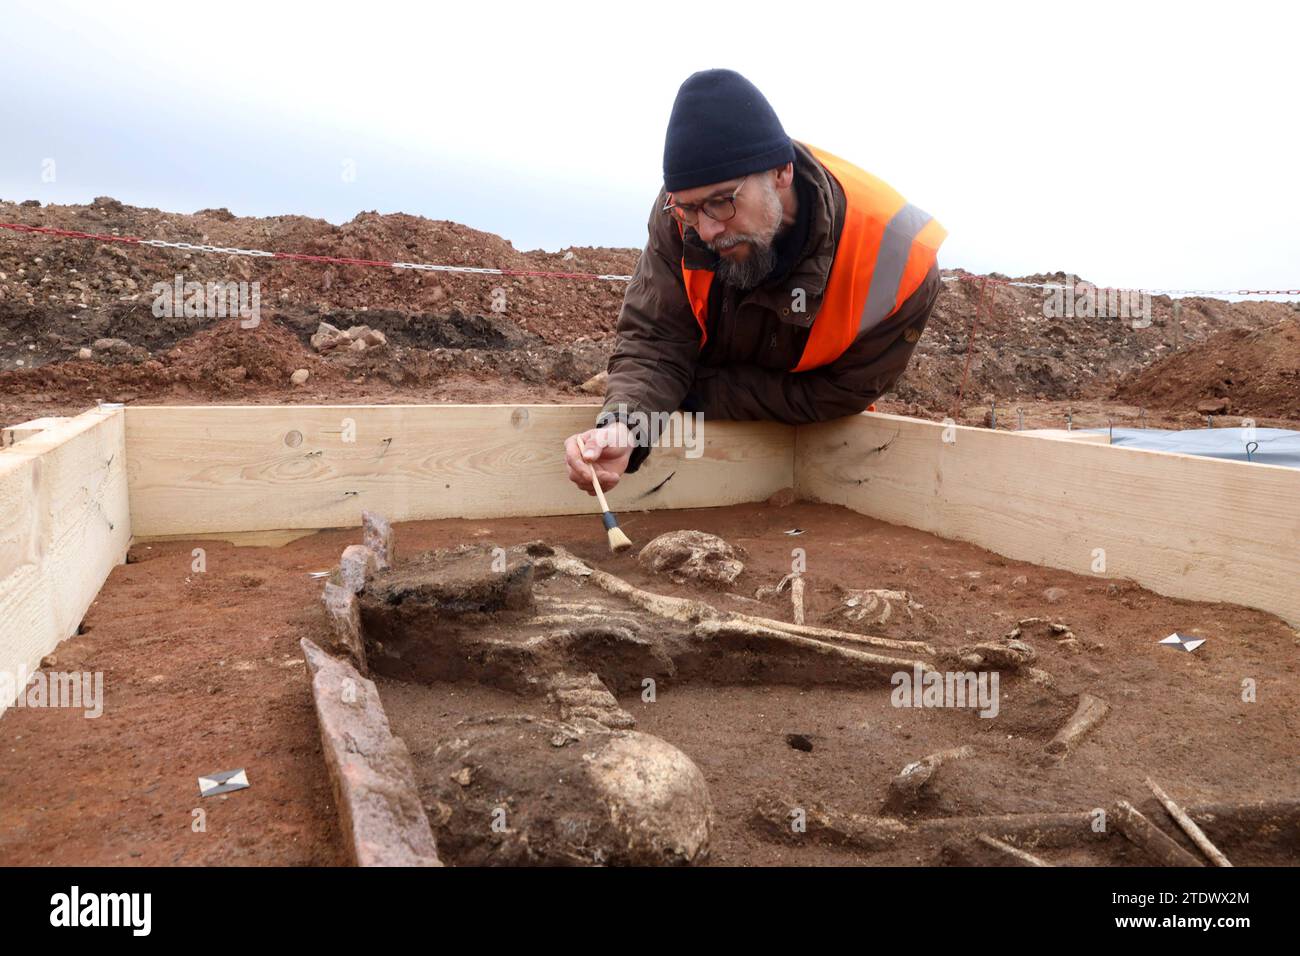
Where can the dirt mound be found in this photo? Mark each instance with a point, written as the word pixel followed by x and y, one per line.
pixel 69 274
pixel 227 356
pixel 1239 371
pixel 58 296
pixel 1022 353
pixel 223 360
pixel 227 361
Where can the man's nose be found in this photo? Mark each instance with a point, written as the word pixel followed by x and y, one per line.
pixel 709 229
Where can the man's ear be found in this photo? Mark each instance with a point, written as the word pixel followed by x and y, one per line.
pixel 784 176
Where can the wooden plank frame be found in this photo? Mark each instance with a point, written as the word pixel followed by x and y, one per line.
pixel 13 434
pixel 64 525
pixel 1181 525
pixel 240 468
pixel 72 494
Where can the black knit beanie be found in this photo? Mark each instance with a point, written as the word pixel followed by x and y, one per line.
pixel 721 127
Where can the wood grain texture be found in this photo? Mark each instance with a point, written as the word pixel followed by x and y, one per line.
pixel 204 469
pixel 13 434
pixel 64 525
pixel 1188 527
pixel 1067 434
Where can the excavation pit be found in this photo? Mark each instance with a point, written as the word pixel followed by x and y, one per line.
pixel 774 734
pixel 198 639
pixel 737 722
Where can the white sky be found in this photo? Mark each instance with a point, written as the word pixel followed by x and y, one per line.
pixel 1133 144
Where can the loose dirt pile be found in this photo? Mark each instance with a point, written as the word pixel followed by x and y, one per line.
pixel 66 274
pixel 1237 372
pixel 227 362
pixel 1019 354
pixel 464 337
pixel 220 361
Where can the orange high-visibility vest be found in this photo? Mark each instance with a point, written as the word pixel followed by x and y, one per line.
pixel 885 251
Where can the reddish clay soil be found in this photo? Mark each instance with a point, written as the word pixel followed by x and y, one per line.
pixel 202 673
pixel 1238 372
pixel 555 309
pixel 227 364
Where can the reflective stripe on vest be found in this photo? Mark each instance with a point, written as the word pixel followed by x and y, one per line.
pixel 885 251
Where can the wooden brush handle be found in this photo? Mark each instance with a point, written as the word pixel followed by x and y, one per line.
pixel 600 495
pixel 595 482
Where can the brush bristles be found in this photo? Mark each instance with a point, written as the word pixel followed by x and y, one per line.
pixel 618 541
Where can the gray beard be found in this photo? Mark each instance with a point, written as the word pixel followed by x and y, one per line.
pixel 751 272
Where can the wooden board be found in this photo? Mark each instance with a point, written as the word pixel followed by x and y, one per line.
pixel 195 469
pixel 1184 526
pixel 64 525
pixel 13 434
pixel 241 539
pixel 1066 434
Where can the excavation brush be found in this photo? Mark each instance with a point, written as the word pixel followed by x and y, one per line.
pixel 618 541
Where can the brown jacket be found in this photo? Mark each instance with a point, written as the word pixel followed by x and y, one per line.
pixel 755 337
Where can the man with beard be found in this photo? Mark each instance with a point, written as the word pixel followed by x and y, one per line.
pixel 779 282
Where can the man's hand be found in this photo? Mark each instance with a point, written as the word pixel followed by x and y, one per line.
pixel 608 449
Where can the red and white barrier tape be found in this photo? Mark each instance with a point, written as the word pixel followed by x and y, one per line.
pixel 477 270
pixel 302 257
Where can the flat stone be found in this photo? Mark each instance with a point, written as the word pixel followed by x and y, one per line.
pixel 377 535
pixel 111 345
pixel 357 566
pixel 382 817
pixel 326 337
pixel 345 623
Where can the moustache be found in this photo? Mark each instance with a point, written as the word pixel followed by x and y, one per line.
pixel 726 242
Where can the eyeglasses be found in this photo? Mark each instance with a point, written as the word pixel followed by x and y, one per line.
pixel 719 210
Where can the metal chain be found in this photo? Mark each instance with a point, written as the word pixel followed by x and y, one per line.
pixel 1057 285
pixel 164 244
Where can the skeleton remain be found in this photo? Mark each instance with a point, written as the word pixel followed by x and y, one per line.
pixel 545 622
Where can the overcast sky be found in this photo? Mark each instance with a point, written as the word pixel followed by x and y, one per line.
pixel 1133 144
